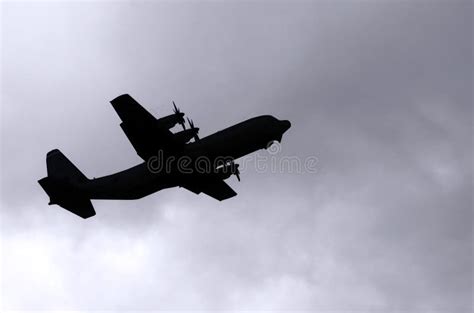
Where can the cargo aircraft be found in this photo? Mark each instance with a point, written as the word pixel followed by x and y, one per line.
pixel 200 164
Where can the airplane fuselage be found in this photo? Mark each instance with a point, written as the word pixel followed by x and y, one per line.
pixel 143 179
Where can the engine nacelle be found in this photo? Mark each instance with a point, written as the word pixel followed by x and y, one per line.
pixel 186 135
pixel 227 170
pixel 170 121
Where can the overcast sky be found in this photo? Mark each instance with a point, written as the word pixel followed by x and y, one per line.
pixel 380 92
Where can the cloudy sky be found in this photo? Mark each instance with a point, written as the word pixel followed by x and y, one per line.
pixel 380 92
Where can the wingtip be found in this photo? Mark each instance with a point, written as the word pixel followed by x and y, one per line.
pixel 54 151
pixel 121 97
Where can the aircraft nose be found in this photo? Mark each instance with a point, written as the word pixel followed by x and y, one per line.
pixel 285 125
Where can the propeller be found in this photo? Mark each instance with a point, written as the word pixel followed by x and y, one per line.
pixel 235 170
pixel 191 125
pixel 178 112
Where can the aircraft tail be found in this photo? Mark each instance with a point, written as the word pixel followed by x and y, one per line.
pixel 61 185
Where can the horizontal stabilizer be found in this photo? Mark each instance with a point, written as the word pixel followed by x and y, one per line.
pixel 67 197
pixel 62 185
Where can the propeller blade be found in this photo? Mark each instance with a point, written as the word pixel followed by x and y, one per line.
pixel 235 170
pixel 175 108
pixel 177 111
pixel 191 124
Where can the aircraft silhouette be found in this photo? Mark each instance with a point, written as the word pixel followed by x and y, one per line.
pixel 170 159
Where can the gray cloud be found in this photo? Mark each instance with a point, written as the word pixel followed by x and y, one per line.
pixel 381 93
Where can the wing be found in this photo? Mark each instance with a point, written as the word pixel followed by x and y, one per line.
pixel 140 126
pixel 131 112
pixel 216 189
